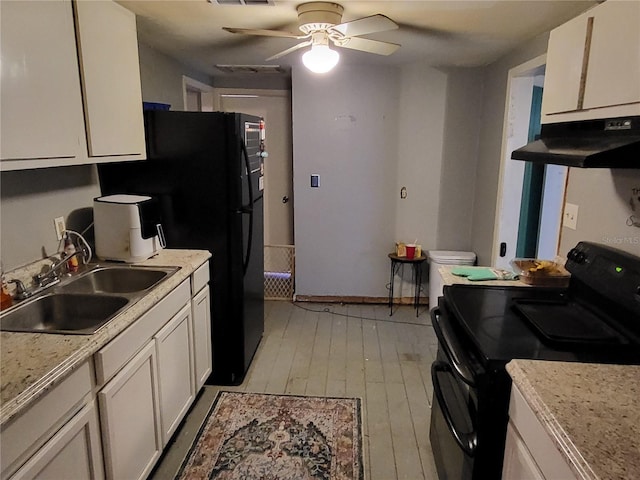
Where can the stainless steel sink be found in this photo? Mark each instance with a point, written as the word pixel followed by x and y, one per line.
pixel 82 304
pixel 117 280
pixel 64 313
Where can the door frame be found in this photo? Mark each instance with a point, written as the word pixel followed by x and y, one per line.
pixel 205 91
pixel 527 69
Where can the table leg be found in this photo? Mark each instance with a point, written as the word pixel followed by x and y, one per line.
pixel 418 286
pixel 391 288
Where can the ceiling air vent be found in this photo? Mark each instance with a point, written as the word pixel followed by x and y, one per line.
pixel 243 2
pixel 252 69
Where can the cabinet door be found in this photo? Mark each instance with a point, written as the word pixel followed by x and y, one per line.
pixel 74 451
pixel 108 52
pixel 129 412
pixel 175 377
pixel 613 76
pixel 518 462
pixel 40 86
pixel 202 358
pixel 564 66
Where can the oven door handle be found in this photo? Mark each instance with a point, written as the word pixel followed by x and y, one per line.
pixel 468 442
pixel 455 355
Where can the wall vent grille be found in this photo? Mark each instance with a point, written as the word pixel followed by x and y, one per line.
pixel 252 3
pixel 252 69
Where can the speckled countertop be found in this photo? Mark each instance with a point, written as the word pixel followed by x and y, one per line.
pixel 591 411
pixel 451 279
pixel 32 363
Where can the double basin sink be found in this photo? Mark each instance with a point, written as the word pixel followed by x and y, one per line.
pixel 84 303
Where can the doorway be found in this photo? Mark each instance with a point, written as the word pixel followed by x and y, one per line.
pixel 197 96
pixel 530 198
pixel 274 106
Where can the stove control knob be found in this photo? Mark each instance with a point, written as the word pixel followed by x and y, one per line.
pixel 576 256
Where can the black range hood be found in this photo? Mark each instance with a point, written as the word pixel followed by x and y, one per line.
pixel 602 143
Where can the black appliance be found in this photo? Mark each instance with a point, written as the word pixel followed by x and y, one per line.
pixel 603 143
pixel 481 328
pixel 205 168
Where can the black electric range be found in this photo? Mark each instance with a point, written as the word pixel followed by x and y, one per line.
pixel 481 328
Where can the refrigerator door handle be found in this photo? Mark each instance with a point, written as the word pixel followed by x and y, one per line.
pixel 248 208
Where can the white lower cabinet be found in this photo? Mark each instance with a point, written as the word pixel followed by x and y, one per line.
pixel 518 461
pixel 174 366
pixel 146 380
pixel 530 453
pixel 129 410
pixel 144 403
pixel 202 355
pixel 73 452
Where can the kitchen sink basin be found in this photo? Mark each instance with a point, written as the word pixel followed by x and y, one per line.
pixel 117 280
pixel 82 304
pixel 67 313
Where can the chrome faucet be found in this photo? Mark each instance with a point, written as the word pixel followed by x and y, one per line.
pixel 49 277
pixel 21 290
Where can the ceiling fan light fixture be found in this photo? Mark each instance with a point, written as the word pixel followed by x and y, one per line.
pixel 320 59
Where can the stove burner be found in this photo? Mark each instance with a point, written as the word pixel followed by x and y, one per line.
pixel 567 322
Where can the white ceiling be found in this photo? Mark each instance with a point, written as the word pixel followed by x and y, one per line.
pixel 441 32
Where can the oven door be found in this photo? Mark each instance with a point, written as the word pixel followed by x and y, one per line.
pixel 454 411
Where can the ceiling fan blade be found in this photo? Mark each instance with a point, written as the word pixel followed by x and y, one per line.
pixel 289 50
pixel 363 26
pixel 366 45
pixel 264 33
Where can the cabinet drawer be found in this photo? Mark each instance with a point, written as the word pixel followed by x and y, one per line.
pixel 75 451
pixel 116 354
pixel 23 436
pixel 199 278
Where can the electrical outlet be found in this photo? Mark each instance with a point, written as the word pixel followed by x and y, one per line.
pixel 60 227
pixel 570 217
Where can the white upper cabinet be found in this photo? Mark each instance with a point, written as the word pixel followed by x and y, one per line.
pixel 40 89
pixel 593 65
pixel 613 76
pixel 108 52
pixel 70 86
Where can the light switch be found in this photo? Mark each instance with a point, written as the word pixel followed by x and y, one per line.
pixel 570 217
pixel 315 180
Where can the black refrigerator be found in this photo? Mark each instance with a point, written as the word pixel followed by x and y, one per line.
pixel 206 168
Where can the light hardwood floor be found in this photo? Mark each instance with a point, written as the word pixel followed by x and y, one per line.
pixel 345 350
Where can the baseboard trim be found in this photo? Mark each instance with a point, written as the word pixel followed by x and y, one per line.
pixel 357 299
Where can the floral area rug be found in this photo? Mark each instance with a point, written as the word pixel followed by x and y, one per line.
pixel 277 437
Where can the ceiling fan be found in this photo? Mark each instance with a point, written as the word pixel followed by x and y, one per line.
pixel 320 25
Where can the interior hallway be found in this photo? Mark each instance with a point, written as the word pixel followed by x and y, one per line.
pixel 352 351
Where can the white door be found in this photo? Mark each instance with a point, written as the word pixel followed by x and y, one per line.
pixel 275 107
pixel 515 134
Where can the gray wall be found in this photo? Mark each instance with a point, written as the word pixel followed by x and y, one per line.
pixel 161 77
pixel 604 199
pixel 490 143
pixel 368 132
pixel 458 184
pixel 422 94
pixel 345 130
pixel 31 199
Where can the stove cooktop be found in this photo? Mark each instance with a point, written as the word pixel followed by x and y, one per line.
pixel 505 323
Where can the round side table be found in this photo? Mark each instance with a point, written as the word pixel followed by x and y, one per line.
pixel 416 265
